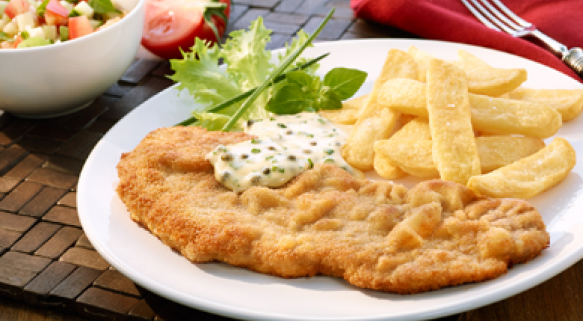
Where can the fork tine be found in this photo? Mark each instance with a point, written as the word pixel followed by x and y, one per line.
pixel 478 15
pixel 512 15
pixel 500 16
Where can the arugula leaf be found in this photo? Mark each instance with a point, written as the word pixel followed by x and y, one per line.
pixel 344 82
pixel 103 6
pixel 4 36
pixel 42 8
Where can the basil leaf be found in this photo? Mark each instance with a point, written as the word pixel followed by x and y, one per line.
pixel 42 8
pixel 33 42
pixel 289 99
pixel 74 13
pixel 103 6
pixel 328 99
pixel 4 37
pixel 300 78
pixel 344 81
pixel 24 35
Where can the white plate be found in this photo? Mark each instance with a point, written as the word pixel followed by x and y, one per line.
pixel 239 293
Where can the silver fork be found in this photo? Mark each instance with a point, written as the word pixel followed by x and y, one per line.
pixel 499 17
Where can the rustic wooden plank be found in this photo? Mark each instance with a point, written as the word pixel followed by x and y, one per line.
pixel 36 237
pixel 105 305
pixel 43 201
pixel 23 261
pixel 60 242
pixel 117 282
pixel 7 237
pixel 84 117
pixel 21 195
pixel 83 242
pixel 16 223
pixel 10 156
pixel 288 5
pixel 259 3
pixel 76 283
pixel 64 164
pixel 63 215
pixel 288 18
pixel 69 200
pixel 26 166
pixel 52 132
pixel 79 143
pixel 53 178
pixel 149 307
pixel 7 184
pixel 245 20
pixel 15 130
pixel 84 257
pixel 36 291
pixel 39 145
pixel 333 29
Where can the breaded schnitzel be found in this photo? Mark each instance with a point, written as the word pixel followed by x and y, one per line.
pixel 374 234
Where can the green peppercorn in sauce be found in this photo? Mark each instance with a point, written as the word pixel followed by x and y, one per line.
pixel 285 147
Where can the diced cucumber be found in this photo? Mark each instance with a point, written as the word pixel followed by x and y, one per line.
pixel 111 15
pixel 67 5
pixel 34 42
pixel 50 32
pixel 63 33
pixel 3 5
pixel 37 32
pixel 25 20
pixel 83 9
pixel 11 28
pixel 95 23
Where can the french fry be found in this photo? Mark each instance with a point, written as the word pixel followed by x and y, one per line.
pixel 375 122
pixel 411 150
pixel 454 147
pixel 385 168
pixel 487 80
pixel 568 102
pixel 412 132
pixel 422 58
pixel 348 115
pixel 488 114
pixel 529 176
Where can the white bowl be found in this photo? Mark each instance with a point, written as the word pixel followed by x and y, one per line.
pixel 54 80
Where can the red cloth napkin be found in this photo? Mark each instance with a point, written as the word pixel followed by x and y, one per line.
pixel 450 20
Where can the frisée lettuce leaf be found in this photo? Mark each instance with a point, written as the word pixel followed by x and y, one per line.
pixel 247 66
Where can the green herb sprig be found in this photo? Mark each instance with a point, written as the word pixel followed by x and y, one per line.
pixel 276 73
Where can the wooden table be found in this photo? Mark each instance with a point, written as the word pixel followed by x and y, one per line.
pixel 48 268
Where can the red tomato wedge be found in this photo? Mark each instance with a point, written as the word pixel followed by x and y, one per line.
pixel 79 27
pixel 56 14
pixel 17 41
pixel 174 24
pixel 16 7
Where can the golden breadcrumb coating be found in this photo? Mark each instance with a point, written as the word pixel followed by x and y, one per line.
pixel 374 234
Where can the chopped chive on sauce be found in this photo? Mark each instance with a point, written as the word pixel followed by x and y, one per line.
pixel 280 125
pixel 256 151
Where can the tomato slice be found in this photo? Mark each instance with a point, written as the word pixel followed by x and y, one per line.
pixel 16 7
pixel 172 25
pixel 56 14
pixel 79 27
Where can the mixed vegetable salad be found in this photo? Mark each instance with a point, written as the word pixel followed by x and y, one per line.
pixel 32 23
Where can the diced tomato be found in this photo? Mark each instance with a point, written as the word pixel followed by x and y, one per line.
pixel 17 41
pixel 16 7
pixel 79 27
pixel 54 6
pixel 172 25
pixel 52 19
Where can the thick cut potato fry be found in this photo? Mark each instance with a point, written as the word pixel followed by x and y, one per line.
pixel 529 176
pixel 412 132
pixel 375 122
pixel 348 115
pixel 488 114
pixel 454 147
pixel 385 168
pixel 422 58
pixel 568 102
pixel 411 150
pixel 487 80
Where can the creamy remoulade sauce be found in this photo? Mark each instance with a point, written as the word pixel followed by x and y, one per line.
pixel 285 146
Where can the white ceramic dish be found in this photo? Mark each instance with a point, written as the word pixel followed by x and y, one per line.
pixel 239 293
pixel 54 80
